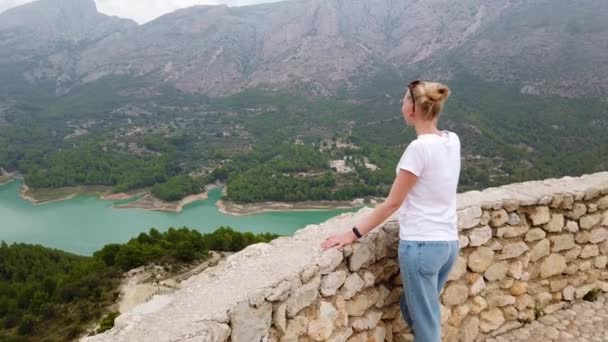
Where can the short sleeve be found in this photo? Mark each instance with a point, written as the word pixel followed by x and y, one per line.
pixel 412 159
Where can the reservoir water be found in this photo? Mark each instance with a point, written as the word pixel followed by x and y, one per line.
pixel 84 224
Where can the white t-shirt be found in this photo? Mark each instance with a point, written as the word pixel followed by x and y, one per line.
pixel 429 210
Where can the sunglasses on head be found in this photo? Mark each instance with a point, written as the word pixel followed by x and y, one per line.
pixel 411 87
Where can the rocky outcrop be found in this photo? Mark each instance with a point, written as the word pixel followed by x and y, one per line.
pixel 326 45
pixel 290 289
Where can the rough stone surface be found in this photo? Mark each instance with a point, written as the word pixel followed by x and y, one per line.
pixel 479 236
pixel 598 235
pixel 513 250
pixel 250 324
pixel 590 221
pixel 361 302
pixel 279 318
pixel 303 297
pixel 556 224
pixel 584 321
pixel 352 286
pixel 529 273
pixel 469 217
pixel 278 293
pixel 321 328
pixel 602 203
pixel 497 271
pixel 554 264
pixel 476 283
pixel 330 259
pixel 491 320
pixel 571 227
pixel 480 259
pixel 455 294
pixel 601 261
pixel 519 288
pixel 500 300
pixel 367 321
pixel 535 235
pixel 539 215
pixel 498 218
pixel 578 210
pixel 562 242
pixel 514 219
pixel 459 269
pixel 524 301
pixel 510 232
pixel 469 330
pixel 362 256
pixel 540 249
pixel 331 282
pixel 558 285
pixel 309 273
pixel 573 253
pixel 478 304
pixel 589 251
pixel 516 270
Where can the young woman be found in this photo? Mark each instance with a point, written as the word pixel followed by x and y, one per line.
pixel 424 192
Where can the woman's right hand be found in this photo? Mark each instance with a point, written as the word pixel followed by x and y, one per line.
pixel 339 240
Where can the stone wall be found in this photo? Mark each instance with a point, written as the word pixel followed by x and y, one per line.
pixel 526 250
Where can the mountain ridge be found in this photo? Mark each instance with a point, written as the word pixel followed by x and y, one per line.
pixel 219 50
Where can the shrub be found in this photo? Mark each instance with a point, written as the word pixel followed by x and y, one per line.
pixel 107 322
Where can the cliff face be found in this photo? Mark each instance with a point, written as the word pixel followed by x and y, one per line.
pixel 41 41
pixel 525 248
pixel 325 45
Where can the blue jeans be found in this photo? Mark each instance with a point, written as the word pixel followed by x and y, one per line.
pixel 425 266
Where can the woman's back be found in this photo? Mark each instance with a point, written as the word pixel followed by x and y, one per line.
pixel 429 210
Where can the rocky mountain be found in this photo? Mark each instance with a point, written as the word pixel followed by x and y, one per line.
pixel 42 41
pixel 543 46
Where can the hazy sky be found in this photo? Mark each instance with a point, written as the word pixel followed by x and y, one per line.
pixel 144 10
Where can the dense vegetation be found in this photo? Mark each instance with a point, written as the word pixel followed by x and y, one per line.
pixel 178 187
pixel 277 146
pixel 50 295
pixel 91 165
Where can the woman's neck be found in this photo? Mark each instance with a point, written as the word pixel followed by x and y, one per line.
pixel 427 127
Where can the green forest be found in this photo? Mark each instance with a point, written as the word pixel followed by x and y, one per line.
pixel 277 146
pixel 51 295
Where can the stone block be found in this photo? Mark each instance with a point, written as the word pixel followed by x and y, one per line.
pixel 249 323
pixel 556 224
pixel 554 264
pixel 479 236
pixel 480 259
pixel 469 217
pixel 539 215
pixel 303 297
pixel 497 271
pixel 513 250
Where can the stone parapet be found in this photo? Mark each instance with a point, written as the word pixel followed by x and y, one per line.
pixel 527 249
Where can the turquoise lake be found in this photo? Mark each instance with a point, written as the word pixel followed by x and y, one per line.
pixel 84 224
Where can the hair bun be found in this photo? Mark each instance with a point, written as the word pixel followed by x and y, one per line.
pixel 436 92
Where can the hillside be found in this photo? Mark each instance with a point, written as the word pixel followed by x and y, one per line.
pixel 213 93
pixel 552 46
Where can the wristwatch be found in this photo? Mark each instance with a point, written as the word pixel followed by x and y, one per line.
pixel 356 231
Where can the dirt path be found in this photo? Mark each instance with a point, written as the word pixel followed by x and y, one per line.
pixel 142 283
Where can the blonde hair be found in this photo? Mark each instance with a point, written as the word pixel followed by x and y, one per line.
pixel 429 97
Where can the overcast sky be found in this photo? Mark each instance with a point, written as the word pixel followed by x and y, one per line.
pixel 144 10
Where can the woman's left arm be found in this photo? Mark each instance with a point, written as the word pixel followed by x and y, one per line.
pixel 402 185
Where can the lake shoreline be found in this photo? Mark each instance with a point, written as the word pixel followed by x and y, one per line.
pixel 7 177
pixel 149 202
pixel 235 209
pixel 146 201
